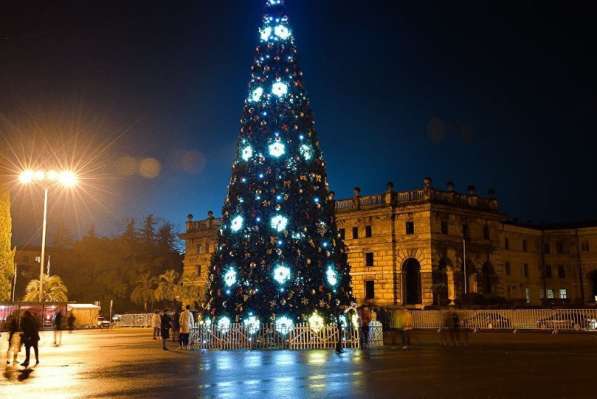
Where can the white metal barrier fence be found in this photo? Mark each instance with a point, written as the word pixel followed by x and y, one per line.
pixel 508 319
pixel 300 337
pixel 134 320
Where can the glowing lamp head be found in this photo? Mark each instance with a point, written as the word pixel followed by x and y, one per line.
pixel 26 176
pixel 316 322
pixel 68 178
pixel 281 274
pixel 237 223
pixel 280 89
pixel 284 325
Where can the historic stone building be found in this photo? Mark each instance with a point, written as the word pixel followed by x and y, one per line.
pixel 414 248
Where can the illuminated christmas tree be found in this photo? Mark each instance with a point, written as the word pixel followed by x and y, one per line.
pixel 279 257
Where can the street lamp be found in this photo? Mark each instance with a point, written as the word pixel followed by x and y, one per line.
pixel 47 178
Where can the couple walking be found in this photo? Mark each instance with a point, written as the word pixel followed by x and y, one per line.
pixel 185 323
pixel 29 336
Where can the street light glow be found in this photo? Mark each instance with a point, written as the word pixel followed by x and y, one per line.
pixel 65 178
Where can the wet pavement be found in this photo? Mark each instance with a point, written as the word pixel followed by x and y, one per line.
pixel 127 363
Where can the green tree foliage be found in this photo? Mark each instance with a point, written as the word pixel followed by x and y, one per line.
pixel 101 269
pixel 54 290
pixel 7 252
pixel 144 291
pixel 168 288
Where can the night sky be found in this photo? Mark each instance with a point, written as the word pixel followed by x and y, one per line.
pixel 496 94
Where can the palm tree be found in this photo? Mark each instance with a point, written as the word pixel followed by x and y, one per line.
pixel 168 288
pixel 144 292
pixel 54 290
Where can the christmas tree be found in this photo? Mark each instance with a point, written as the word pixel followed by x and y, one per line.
pixel 279 257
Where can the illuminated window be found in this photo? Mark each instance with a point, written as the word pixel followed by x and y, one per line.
pixel 550 294
pixel 527 295
pixel 563 293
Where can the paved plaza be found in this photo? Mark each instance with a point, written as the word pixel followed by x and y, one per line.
pixel 127 363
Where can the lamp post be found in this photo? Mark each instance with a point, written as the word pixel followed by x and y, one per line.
pixel 66 179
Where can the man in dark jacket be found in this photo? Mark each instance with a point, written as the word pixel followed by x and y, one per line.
pixel 30 327
pixel 165 328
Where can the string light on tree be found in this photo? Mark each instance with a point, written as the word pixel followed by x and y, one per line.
pixel 257 94
pixel 306 151
pixel 252 324
pixel 282 32
pixel 316 322
pixel 284 325
pixel 224 324
pixel 331 276
pixel 265 33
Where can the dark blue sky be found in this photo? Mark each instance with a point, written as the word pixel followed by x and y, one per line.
pixel 496 94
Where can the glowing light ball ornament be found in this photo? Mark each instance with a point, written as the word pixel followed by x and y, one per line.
pixel 331 275
pixel 246 153
pixel 230 277
pixel 279 223
pixel 279 89
pixel 284 325
pixel 265 33
pixel 257 94
pixel 237 223
pixel 252 324
pixel 306 151
pixel 282 32
pixel 277 149
pixel 316 322
pixel 224 324
pixel 281 274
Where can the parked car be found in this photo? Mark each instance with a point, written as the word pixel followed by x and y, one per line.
pixel 487 320
pixel 103 323
pixel 565 321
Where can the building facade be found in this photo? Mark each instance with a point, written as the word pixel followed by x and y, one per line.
pixel 440 247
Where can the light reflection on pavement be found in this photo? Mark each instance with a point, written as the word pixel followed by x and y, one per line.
pixel 128 363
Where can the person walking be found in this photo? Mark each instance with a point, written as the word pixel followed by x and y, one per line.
pixel 71 322
pixel 176 326
pixel 30 337
pixel 14 340
pixel 365 318
pixel 165 328
pixel 58 328
pixel 187 323
pixel 156 324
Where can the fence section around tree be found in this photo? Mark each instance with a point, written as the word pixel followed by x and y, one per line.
pixel 508 319
pixel 302 336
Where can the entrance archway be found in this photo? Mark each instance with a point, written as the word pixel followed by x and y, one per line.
pixel 412 282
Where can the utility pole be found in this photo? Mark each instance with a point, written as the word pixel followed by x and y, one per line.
pixel 464 266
